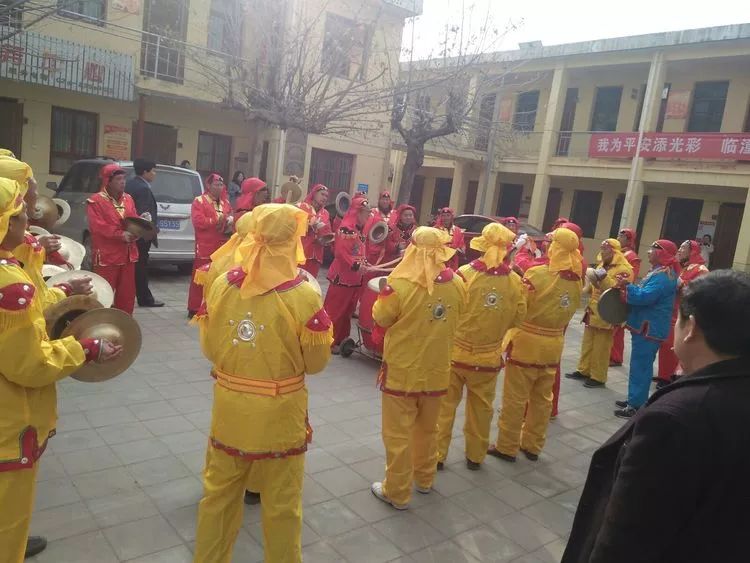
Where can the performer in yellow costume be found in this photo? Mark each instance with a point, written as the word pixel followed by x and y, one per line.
pixel 31 365
pixel 496 303
pixel 534 349
pixel 420 308
pixel 263 328
pixel 612 269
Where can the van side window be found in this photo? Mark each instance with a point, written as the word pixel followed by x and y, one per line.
pixel 82 177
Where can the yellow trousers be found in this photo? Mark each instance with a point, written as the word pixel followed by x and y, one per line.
pixel 16 503
pixel 480 394
pixel 524 385
pixel 595 349
pixel 279 482
pixel 410 439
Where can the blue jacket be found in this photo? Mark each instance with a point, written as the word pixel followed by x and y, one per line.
pixel 651 302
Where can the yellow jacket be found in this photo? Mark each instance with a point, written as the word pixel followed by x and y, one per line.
pixel 615 273
pixel 31 364
pixel 495 303
pixel 31 255
pixel 552 300
pixel 255 345
pixel 421 328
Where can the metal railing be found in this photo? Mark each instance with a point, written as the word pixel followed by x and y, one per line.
pixel 572 144
pixel 162 58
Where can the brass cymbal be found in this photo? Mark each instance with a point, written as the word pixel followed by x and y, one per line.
pixel 62 313
pixel 103 292
pixel 111 324
pixel 140 227
pixel 45 214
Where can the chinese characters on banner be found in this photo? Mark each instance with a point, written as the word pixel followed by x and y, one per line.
pixel 117 142
pixel 674 146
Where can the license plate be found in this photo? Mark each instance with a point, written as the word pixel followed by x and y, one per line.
pixel 169 224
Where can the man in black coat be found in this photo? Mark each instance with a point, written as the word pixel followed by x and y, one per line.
pixel 673 484
pixel 139 188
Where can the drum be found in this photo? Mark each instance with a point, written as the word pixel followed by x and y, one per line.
pixel 611 307
pixel 366 323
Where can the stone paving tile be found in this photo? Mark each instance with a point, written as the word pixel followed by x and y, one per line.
pixel 121 480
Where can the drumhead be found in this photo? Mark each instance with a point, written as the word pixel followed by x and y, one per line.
pixel 374 283
pixel 611 308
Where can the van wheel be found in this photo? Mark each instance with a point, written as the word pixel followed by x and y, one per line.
pixel 87 263
pixel 185 268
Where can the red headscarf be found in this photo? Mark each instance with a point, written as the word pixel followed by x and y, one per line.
pixel 349 220
pixel 210 179
pixel 666 254
pixel 695 253
pixel 396 216
pixel 315 189
pixel 439 220
pixel 630 235
pixel 577 230
pixel 107 171
pixel 250 186
pixel 560 222
pixel 507 220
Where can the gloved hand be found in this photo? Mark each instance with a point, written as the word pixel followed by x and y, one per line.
pixel 521 241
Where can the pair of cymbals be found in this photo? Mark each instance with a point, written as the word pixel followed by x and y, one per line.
pixel 73 252
pixel 50 212
pixel 139 227
pixel 102 291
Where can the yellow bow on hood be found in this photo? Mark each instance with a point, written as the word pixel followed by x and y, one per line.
pixel 11 203
pixel 563 252
pixel 493 244
pixel 272 249
pixel 425 257
pixel 17 170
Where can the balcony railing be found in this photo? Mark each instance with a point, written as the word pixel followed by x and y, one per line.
pixel 516 145
pixel 162 58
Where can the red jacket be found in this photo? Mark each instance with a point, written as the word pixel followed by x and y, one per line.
pixel 313 249
pixel 349 253
pixel 633 259
pixel 210 223
pixel 105 225
pixel 457 242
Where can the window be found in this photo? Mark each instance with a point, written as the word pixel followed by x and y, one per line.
pixel 343 47
pixel 614 229
pixel 707 111
pixel 162 49
pixel 606 108
pixel 586 211
pixel 525 116
pixel 442 196
pixel 224 27
pixel 73 138
pixel 681 219
pixel 332 169
pixel 486 114
pixel 83 9
pixel 662 107
pixel 11 13
pixel 81 178
pixel 214 152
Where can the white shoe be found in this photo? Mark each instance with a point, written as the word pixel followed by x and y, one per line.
pixel 424 490
pixel 377 490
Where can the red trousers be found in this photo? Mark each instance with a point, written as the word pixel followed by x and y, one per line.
pixel 618 346
pixel 340 303
pixel 312 266
pixel 122 280
pixel 195 294
pixel 668 362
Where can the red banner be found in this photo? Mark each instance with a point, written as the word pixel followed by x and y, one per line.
pixel 672 146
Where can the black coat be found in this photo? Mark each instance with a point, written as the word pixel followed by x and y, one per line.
pixel 143 197
pixel 673 484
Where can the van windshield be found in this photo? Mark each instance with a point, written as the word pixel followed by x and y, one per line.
pixel 172 186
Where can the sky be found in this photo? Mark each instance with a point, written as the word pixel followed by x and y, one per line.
pixel 556 21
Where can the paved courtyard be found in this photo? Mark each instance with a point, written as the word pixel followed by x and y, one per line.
pixel 122 479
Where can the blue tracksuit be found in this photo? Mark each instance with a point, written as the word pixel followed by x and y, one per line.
pixel 649 320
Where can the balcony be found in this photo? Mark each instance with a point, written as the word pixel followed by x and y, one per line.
pixel 162 58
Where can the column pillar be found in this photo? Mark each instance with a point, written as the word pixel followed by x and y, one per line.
pixel 458 187
pixel 649 118
pixel 742 253
pixel 547 148
pixel 487 207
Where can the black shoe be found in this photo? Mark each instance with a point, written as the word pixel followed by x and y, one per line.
pixel 592 383
pixel 615 364
pixel 576 375
pixel 621 404
pixel 440 466
pixel 191 314
pixel 152 304
pixel 494 452
pixel 662 383
pixel 530 456
pixel 252 498
pixel 472 465
pixel 35 545
pixel 627 412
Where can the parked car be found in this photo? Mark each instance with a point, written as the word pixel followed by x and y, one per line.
pixel 473 225
pixel 174 189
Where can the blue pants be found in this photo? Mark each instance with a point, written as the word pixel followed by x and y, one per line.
pixel 642 358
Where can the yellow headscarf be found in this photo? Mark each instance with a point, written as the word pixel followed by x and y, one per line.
pixel 618 258
pixel 272 248
pixel 493 244
pixel 7 152
pixel 16 170
pixel 11 203
pixel 563 252
pixel 227 254
pixel 425 257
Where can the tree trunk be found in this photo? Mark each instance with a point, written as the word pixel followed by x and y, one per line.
pixel 413 162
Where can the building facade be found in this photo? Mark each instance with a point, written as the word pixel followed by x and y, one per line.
pixel 650 131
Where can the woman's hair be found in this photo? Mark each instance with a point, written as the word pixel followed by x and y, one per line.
pixel 236 177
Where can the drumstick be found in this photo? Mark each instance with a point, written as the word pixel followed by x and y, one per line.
pixel 392 262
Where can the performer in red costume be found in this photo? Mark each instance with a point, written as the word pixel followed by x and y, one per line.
pixel 627 240
pixel 318 225
pixel 347 270
pixel 401 226
pixel 253 193
pixel 693 266
pixel 445 223
pixel 376 251
pixel 114 252
pixel 212 220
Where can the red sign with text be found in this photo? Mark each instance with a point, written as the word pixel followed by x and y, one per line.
pixel 673 146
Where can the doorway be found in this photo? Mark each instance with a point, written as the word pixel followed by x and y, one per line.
pixel 159 143
pixel 681 219
pixel 442 197
pixel 510 200
pixel 471 197
pixel 726 235
pixel 552 211
pixel 11 116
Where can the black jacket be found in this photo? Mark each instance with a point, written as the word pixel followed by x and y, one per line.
pixel 143 197
pixel 673 484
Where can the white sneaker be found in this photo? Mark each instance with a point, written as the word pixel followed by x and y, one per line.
pixel 424 490
pixel 377 490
